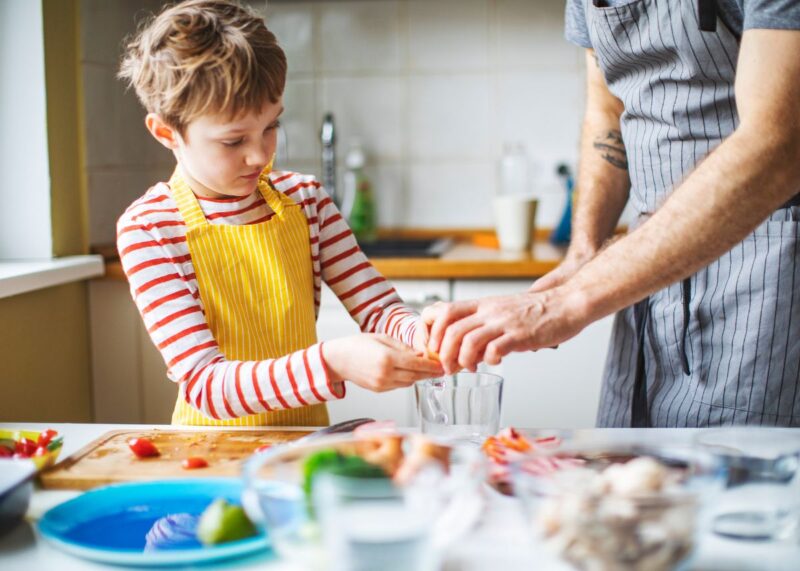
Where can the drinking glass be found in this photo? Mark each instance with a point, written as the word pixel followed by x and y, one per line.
pixel 760 499
pixel 461 407
pixel 370 524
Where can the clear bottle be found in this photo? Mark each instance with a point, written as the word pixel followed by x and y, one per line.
pixel 358 204
pixel 514 170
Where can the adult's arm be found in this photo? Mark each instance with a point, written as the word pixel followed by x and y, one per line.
pixel 731 192
pixel 603 181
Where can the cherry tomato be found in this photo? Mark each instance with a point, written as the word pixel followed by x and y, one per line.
pixel 143 448
pixel 264 447
pixel 46 436
pixel 6 452
pixel 25 447
pixel 194 462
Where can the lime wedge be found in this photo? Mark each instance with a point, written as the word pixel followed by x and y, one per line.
pixel 222 522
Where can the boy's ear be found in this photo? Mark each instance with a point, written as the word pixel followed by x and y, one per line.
pixel 162 132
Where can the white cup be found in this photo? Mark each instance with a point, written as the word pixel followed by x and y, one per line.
pixel 514 217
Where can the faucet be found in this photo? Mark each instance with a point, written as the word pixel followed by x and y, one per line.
pixel 328 138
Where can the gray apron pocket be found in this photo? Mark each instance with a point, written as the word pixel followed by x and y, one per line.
pixel 747 340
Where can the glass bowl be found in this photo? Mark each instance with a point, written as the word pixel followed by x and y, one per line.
pixel 359 522
pixel 617 507
pixel 761 494
pixel 9 436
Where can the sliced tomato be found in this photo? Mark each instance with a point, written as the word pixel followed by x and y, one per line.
pixel 46 436
pixel 6 452
pixel 194 462
pixel 143 447
pixel 25 447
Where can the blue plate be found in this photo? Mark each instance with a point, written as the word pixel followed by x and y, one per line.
pixel 145 524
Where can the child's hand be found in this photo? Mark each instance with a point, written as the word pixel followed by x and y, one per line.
pixel 377 362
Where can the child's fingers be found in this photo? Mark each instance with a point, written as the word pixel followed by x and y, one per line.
pixel 403 378
pixel 421 365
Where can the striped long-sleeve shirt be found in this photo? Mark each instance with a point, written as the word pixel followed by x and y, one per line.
pixel 151 239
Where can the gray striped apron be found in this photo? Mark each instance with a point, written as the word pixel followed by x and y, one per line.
pixel 722 347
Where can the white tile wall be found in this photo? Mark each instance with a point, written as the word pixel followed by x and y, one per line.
pixel 359 37
pixel 371 109
pixel 432 88
pixel 450 118
pixel 450 194
pixel 448 35
pixel 122 159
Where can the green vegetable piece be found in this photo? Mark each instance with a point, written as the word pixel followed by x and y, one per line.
pixel 55 443
pixel 222 522
pixel 357 467
pixel 316 462
pixel 335 462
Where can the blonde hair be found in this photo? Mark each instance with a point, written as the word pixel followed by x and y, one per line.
pixel 204 56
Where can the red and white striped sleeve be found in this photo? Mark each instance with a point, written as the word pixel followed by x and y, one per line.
pixel 174 318
pixel 369 298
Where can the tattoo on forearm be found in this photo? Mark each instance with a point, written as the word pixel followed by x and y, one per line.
pixel 612 149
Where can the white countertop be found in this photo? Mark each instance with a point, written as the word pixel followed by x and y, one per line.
pixel 500 541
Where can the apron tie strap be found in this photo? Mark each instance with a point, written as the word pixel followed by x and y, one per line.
pixel 707 15
pixel 686 295
pixel 640 409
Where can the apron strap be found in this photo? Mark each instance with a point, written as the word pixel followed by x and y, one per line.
pixel 186 201
pixel 640 409
pixel 274 199
pixel 707 15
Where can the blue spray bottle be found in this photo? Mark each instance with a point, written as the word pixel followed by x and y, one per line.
pixel 563 232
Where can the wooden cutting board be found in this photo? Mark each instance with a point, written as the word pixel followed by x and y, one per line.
pixel 109 460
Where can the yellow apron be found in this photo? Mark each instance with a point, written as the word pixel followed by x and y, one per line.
pixel 257 288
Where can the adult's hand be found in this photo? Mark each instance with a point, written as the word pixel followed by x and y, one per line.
pixel 376 362
pixel 487 329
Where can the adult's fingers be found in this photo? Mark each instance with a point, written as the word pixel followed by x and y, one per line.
pixel 473 345
pixel 440 315
pixel 425 333
pixel 499 348
pixel 451 343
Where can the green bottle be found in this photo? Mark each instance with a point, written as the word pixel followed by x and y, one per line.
pixel 359 202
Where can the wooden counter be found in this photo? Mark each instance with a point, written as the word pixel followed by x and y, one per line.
pixel 474 255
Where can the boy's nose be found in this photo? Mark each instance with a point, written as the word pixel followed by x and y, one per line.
pixel 257 156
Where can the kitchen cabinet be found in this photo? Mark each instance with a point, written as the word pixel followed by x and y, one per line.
pixel 129 377
pixel 334 321
pixel 553 388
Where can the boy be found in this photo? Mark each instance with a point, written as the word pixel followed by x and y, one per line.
pixel 226 260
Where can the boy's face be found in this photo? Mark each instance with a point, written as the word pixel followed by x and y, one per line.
pixel 222 158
